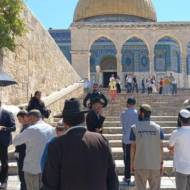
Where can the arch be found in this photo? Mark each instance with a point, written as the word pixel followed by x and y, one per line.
pixel 101 48
pixel 135 56
pixel 138 37
pixel 170 36
pixel 167 55
pixel 97 37
pixel 188 58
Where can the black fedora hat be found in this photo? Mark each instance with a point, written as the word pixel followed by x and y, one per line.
pixel 71 108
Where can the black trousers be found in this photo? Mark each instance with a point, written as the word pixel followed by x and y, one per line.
pixel 161 90
pixel 4 163
pixel 127 160
pixel 20 163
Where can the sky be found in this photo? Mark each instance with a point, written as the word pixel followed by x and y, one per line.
pixel 58 14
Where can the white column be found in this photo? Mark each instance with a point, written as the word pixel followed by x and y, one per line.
pixel 119 67
pixel 119 64
pixel 184 78
pixel 151 60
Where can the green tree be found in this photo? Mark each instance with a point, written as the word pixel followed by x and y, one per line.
pixel 12 24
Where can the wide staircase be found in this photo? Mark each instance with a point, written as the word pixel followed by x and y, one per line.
pixel 165 111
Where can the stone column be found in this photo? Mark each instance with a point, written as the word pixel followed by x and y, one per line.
pixel 81 63
pixel 151 62
pixel 119 66
pixel 184 78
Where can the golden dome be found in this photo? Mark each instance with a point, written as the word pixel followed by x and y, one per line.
pixel 92 8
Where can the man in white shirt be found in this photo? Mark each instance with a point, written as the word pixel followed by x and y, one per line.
pixel 35 137
pixel 180 143
pixel 129 84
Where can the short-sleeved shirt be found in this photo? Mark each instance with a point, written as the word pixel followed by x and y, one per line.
pixel 128 118
pixel 35 137
pixel 147 135
pixel 180 139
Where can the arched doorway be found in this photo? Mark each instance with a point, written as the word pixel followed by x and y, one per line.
pixel 103 54
pixel 135 56
pixel 167 55
pixel 108 67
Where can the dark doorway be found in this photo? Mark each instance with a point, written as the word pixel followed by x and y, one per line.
pixel 106 78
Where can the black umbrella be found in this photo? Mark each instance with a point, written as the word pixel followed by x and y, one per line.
pixel 6 80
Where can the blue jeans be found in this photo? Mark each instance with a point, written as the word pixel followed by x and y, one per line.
pixel 174 89
pixel 129 87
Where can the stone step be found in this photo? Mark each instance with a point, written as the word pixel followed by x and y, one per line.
pixel 154 118
pixel 12 168
pixel 154 98
pixel 118 143
pixel 165 112
pixel 161 123
pixel 124 96
pixel 118 136
pixel 155 106
pixel 167 183
pixel 13 183
pixel 117 118
pixel 117 153
pixel 168 168
pixel 115 130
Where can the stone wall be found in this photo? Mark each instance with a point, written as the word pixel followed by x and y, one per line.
pixel 37 64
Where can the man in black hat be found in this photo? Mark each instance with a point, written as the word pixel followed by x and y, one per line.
pixel 94 119
pixel 93 95
pixel 79 159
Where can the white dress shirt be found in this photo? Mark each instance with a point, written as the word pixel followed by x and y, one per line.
pixel 35 137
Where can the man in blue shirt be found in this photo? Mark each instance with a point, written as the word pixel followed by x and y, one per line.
pixel 59 132
pixel 129 117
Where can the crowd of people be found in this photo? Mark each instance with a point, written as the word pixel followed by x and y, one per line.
pixel 165 86
pixel 71 156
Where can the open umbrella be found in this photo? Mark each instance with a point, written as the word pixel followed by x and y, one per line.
pixel 6 79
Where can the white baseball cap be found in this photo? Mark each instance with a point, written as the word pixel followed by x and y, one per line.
pixel 185 113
